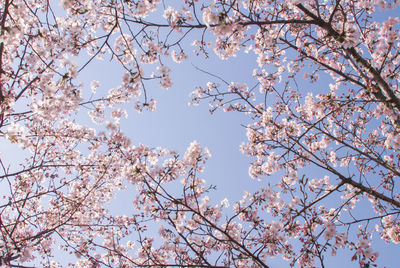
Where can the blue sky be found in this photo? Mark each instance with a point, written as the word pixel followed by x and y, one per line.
pixel 174 125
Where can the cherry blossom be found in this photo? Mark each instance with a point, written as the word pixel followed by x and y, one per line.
pixel 323 133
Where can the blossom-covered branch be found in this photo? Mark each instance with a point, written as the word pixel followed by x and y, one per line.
pixel 323 137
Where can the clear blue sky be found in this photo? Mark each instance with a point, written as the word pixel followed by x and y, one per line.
pixel 174 125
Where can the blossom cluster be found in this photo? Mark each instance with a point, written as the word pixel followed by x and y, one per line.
pixel 323 133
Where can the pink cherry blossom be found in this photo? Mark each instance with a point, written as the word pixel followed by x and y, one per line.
pixel 322 118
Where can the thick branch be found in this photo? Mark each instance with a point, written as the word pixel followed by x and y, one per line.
pixel 382 85
pixel 2 27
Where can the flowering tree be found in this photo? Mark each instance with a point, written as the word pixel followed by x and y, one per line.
pixel 343 124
